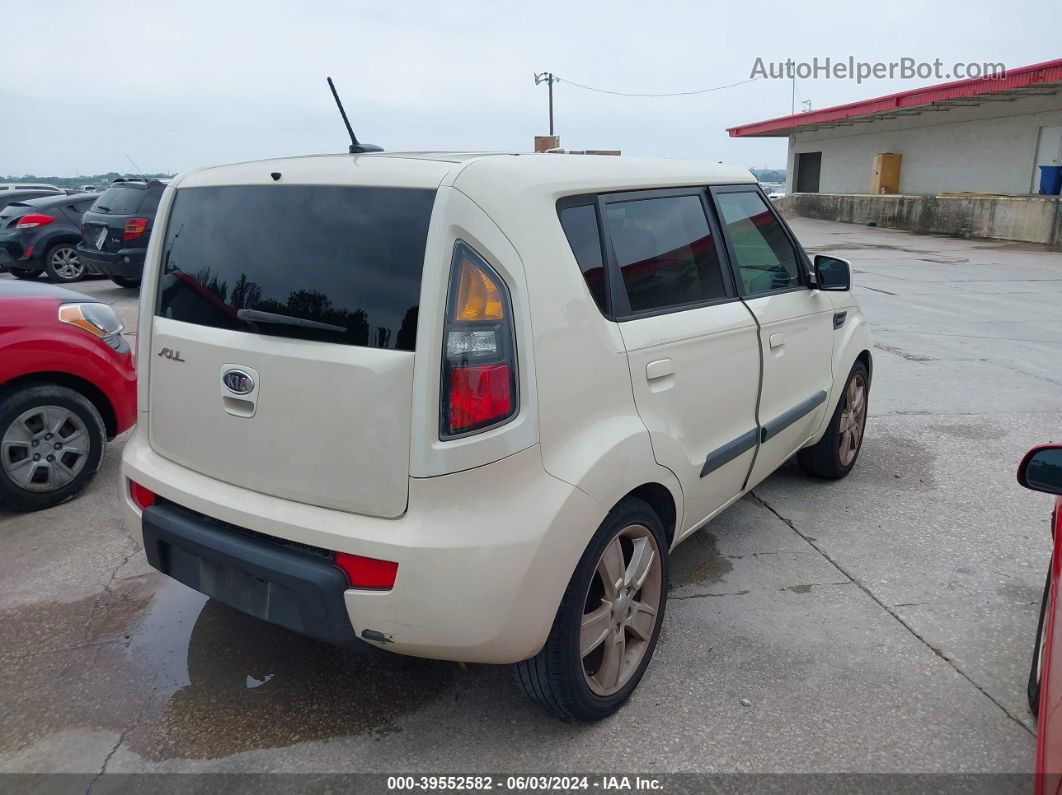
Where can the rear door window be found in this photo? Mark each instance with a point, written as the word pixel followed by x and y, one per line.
pixel 766 260
pixel 333 264
pixel 665 251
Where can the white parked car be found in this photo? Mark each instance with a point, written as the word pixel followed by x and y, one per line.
pixel 463 406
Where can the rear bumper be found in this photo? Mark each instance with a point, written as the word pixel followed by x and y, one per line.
pixel 127 263
pixel 286 585
pixel 11 251
pixel 484 555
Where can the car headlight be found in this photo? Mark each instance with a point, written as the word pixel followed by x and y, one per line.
pixel 97 319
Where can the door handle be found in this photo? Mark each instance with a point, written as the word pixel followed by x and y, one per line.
pixel 777 340
pixel 661 368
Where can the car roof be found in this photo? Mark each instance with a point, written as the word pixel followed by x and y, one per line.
pixel 62 198
pixel 28 186
pixel 550 172
pixel 13 288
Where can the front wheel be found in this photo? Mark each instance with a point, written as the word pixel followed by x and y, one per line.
pixel 62 264
pixel 51 444
pixel 609 620
pixel 1037 670
pixel 834 455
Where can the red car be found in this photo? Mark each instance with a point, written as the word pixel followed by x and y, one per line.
pixel 1041 470
pixel 67 386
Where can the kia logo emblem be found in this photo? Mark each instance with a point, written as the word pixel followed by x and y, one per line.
pixel 238 382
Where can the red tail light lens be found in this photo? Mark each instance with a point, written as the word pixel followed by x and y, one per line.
pixel 479 379
pixel 365 572
pixel 479 395
pixel 134 228
pixel 142 496
pixel 30 220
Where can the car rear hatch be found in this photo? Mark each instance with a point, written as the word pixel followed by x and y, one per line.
pixel 12 212
pixel 282 347
pixel 103 227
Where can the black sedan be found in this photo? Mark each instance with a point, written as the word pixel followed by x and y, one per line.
pixel 41 235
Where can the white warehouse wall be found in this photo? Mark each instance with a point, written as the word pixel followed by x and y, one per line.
pixel 988 148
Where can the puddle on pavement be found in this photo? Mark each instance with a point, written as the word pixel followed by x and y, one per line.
pixel 199 680
pixel 699 562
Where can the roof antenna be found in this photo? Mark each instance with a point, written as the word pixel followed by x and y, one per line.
pixel 141 173
pixel 355 147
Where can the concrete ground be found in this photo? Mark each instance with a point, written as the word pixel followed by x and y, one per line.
pixel 881 623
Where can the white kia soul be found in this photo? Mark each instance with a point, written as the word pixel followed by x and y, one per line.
pixel 463 406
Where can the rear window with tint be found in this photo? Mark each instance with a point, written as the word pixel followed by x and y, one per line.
pixel 333 264
pixel 119 201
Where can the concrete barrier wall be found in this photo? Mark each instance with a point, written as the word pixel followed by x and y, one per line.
pixel 1030 219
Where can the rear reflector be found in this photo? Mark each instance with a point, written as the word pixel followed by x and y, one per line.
pixel 479 395
pixel 365 572
pixel 142 496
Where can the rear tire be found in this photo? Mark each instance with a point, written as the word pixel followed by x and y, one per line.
pixel 45 421
pixel 126 282
pixel 604 636
pixel 62 264
pixel 834 455
pixel 1036 671
pixel 25 273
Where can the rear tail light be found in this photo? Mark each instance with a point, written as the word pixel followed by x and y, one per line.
pixel 479 378
pixel 142 496
pixel 365 572
pixel 30 220
pixel 134 228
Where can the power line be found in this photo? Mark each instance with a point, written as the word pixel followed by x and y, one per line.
pixel 672 94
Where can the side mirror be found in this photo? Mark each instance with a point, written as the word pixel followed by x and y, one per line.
pixel 1041 469
pixel 832 273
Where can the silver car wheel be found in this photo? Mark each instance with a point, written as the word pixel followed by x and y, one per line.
pixel 621 609
pixel 64 261
pixel 45 448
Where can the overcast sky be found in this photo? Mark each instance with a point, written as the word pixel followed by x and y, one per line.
pixel 180 84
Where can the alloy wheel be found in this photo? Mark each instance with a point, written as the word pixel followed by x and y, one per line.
pixel 853 418
pixel 621 609
pixel 45 448
pixel 65 263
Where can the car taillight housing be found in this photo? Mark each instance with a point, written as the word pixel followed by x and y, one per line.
pixel 30 220
pixel 134 228
pixel 480 388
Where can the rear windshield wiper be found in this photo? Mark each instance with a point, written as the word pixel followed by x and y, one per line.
pixel 255 316
pixel 101 207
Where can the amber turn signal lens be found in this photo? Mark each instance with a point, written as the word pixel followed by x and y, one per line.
pixel 478 297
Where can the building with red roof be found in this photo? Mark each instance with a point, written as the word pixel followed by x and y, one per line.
pixel 987 134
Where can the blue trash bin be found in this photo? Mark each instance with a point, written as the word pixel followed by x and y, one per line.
pixel 1050 180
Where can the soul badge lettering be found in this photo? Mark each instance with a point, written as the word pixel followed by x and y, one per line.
pixel 170 353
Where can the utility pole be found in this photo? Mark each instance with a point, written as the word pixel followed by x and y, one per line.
pixel 549 79
pixel 792 74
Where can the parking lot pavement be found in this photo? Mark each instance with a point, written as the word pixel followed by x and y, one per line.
pixel 881 623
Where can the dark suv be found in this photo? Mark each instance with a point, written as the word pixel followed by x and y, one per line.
pixel 41 235
pixel 115 232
